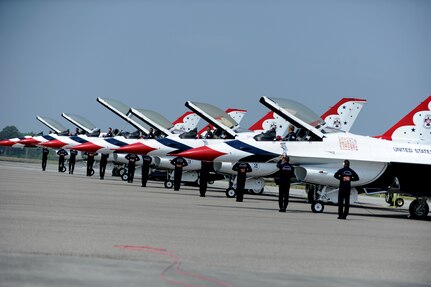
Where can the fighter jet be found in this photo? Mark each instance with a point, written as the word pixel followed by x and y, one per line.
pixel 321 152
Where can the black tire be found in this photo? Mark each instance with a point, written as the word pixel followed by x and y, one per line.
pixel 230 192
pixel 399 202
pixel 317 207
pixel 418 211
pixel 91 172
pixel 256 191
pixel 169 184
pixel 63 169
pixel 122 171
pixel 125 177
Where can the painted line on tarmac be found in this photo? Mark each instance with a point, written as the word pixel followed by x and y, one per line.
pixel 176 263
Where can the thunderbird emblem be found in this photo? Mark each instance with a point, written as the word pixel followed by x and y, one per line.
pixel 427 121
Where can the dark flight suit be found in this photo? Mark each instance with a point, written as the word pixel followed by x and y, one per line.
pixel 345 175
pixel 241 168
pixel 103 162
pixel 204 176
pixel 290 137
pixel 45 153
pixel 286 173
pixel 90 162
pixel 146 161
pixel 133 158
pixel 209 135
pixel 72 161
pixel 179 163
pixel 61 154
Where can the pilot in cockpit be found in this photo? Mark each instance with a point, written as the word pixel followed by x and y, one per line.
pixel 291 135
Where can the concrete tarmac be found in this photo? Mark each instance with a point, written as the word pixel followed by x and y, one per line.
pixel 58 229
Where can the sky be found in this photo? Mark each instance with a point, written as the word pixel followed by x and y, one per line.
pixel 59 56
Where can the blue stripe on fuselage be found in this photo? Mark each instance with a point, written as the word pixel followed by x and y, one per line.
pixel 173 144
pixel 78 139
pixel 115 142
pixel 257 152
pixel 48 138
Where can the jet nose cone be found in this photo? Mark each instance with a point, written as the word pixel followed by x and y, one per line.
pixel 7 143
pixel 201 153
pixel 88 147
pixel 28 141
pixel 53 144
pixel 135 148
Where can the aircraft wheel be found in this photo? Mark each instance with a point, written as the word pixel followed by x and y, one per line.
pixel 317 207
pixel 257 191
pixel 418 210
pixel 63 169
pixel 169 184
pixel 230 192
pixel 125 177
pixel 399 202
pixel 122 171
pixel 91 172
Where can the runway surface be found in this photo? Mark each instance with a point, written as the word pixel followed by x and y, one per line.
pixel 58 229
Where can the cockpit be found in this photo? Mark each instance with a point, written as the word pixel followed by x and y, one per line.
pixel 308 125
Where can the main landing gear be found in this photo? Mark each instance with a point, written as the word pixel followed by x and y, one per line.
pixel 254 185
pixel 419 208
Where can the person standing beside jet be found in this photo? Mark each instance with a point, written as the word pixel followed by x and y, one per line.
pixel 286 173
pixel 179 163
pixel 103 163
pixel 241 168
pixel 61 155
pixel 90 162
pixel 45 152
pixel 203 177
pixel 72 161
pixel 132 158
pixel 146 161
pixel 346 175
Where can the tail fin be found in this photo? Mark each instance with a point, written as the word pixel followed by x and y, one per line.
pixel 186 122
pixel 236 114
pixel 344 113
pixel 265 123
pixel 415 127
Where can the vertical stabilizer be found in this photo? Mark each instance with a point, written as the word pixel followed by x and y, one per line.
pixel 343 114
pixel 415 127
pixel 236 114
pixel 186 122
pixel 264 124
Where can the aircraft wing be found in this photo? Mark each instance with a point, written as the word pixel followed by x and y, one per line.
pixel 296 114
